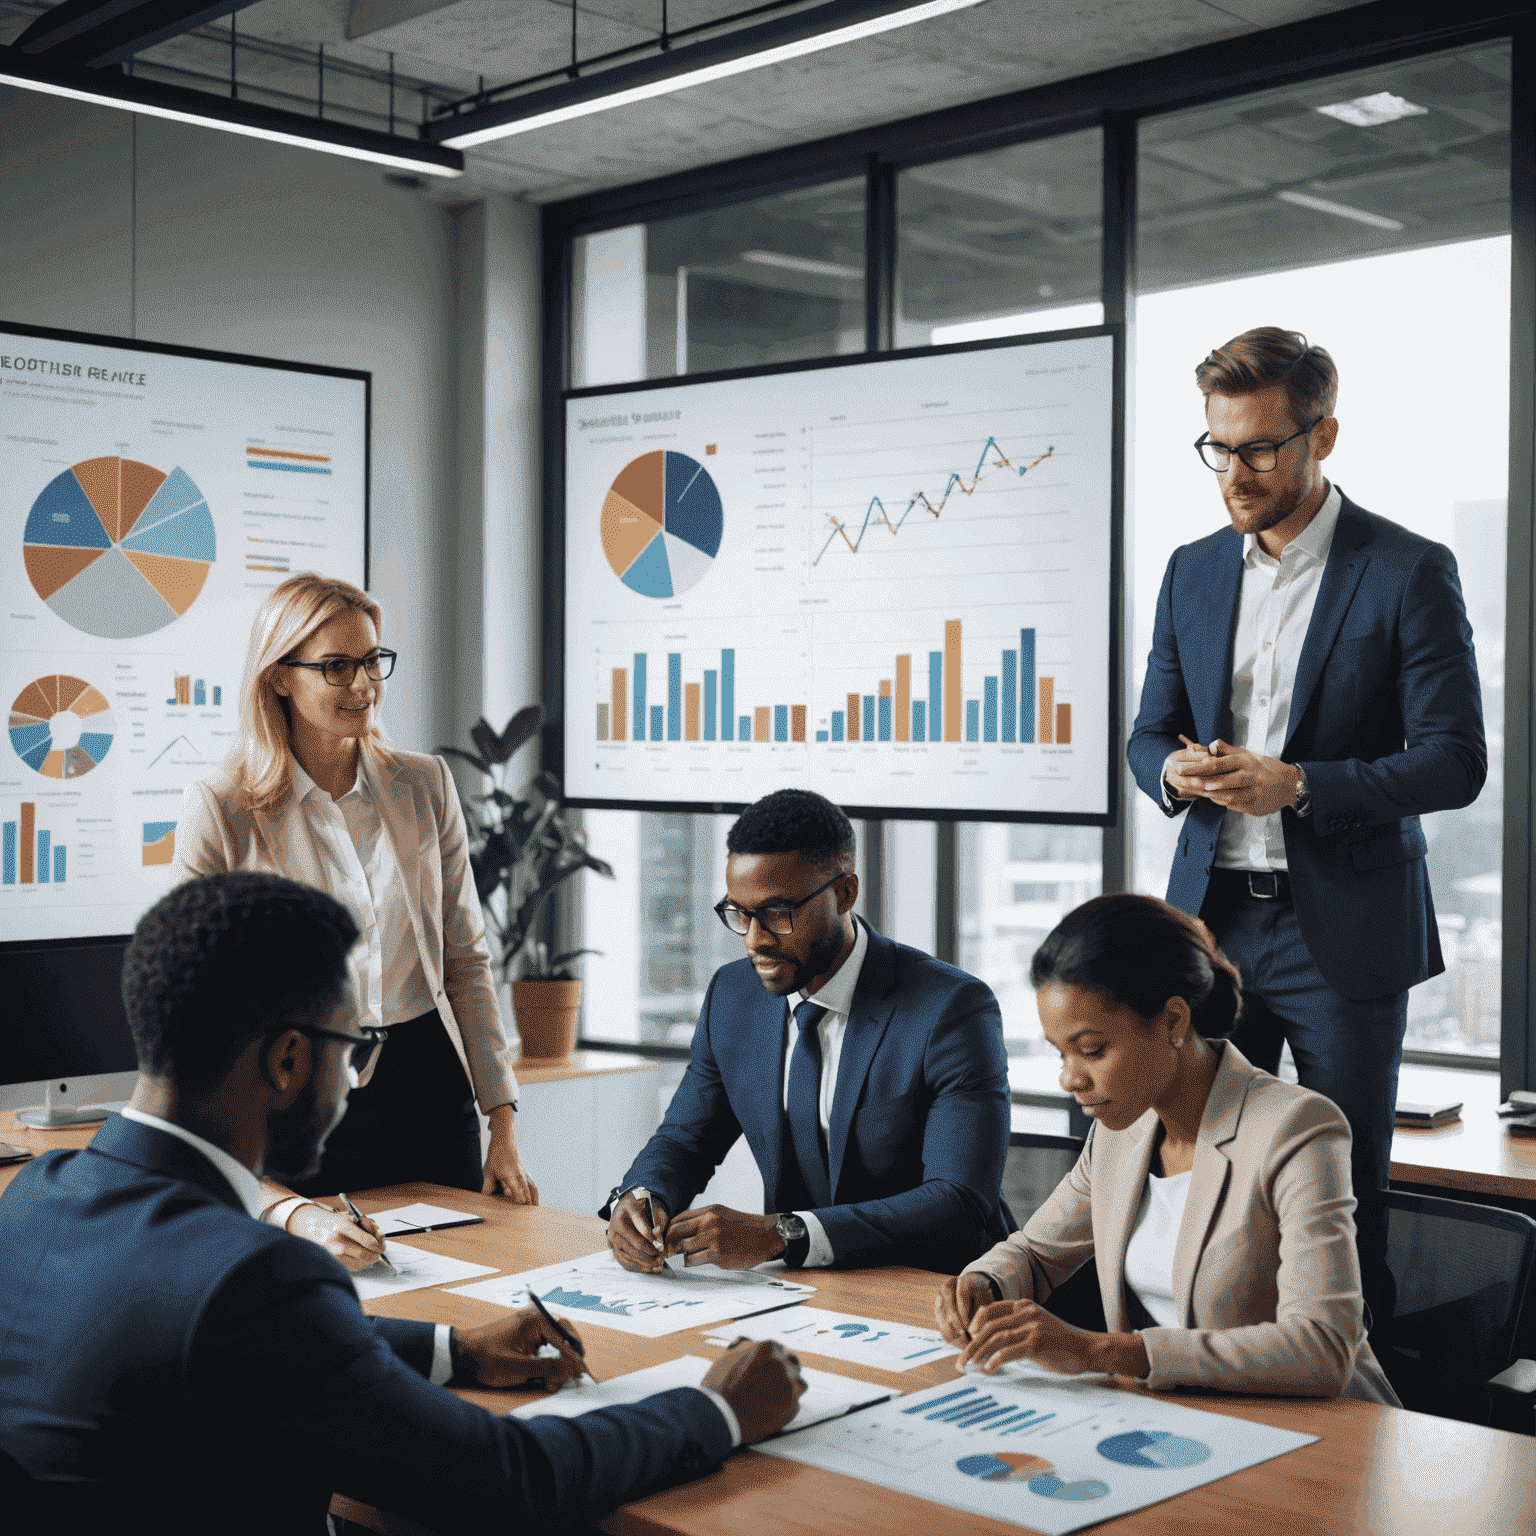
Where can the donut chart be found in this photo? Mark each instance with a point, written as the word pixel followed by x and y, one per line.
pixel 61 727
pixel 1154 1448
pixel 662 523
pixel 1035 1472
pixel 117 548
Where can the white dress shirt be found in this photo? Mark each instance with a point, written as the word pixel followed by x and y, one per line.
pixel 1274 608
pixel 363 874
pixel 1154 1241
pixel 248 1187
pixel 836 996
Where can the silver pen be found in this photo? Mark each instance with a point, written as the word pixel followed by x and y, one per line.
pixel 357 1221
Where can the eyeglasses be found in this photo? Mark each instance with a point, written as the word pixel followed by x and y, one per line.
pixel 364 1047
pixel 340 671
pixel 1260 456
pixel 779 918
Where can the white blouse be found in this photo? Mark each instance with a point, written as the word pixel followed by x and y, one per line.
pixel 1154 1239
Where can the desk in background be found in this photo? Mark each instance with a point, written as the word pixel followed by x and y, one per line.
pixel 1474 1157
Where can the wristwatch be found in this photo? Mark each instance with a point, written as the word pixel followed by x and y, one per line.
pixel 1303 805
pixel 797 1239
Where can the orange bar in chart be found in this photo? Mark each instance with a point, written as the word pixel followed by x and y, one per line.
pixel 620 702
pixel 797 722
pixel 903 698
pixel 691 712
pixel 852 725
pixel 28 841
pixel 762 729
pixel 602 722
pixel 1063 725
pixel 1047 710
pixel 954 709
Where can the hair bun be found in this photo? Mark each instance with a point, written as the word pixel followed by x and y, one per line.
pixel 1217 1014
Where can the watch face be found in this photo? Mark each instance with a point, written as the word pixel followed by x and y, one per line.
pixel 791 1228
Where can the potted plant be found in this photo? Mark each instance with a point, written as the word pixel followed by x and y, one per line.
pixel 522 849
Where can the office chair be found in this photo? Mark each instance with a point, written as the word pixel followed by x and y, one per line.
pixel 1463 1275
pixel 1036 1164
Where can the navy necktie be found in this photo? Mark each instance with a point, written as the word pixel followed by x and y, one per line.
pixel 805 1105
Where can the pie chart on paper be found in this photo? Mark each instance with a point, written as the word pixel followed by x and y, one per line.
pixel 61 726
pixel 662 523
pixel 117 548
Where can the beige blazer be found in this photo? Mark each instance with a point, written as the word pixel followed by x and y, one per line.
pixel 1265 1277
pixel 422 818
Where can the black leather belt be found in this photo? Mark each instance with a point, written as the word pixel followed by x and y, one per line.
pixel 1251 884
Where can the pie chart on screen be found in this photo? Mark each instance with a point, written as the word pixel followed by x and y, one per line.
pixel 117 548
pixel 61 726
pixel 662 523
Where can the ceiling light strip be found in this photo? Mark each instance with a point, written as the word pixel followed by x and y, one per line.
pixel 249 119
pixel 775 42
pixel 1339 210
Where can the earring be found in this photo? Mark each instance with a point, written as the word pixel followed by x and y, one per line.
pixel 1177 1044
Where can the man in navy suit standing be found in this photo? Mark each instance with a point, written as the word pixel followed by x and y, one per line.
pixel 869 1079
pixel 1311 693
pixel 169 1357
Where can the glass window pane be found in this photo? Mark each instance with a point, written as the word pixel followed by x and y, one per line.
pixel 1016 883
pixel 1417 297
pixel 774 280
pixel 1001 243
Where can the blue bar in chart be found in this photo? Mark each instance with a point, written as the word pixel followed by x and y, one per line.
pixel 936 1402
pixel 919 720
pixel 1033 1424
pixel 43 861
pixel 640 715
pixel 727 693
pixel 709 705
pixel 935 695
pixel 658 722
pixel 1010 705
pixel 745 728
pixel 989 709
pixel 674 697
pixel 821 736
pixel 972 719
pixel 781 722
pixel 58 865
pixel 8 854
pixel 199 693
pixel 885 717
pixel 869 717
pixel 837 725
pixel 1027 685
pixel 218 695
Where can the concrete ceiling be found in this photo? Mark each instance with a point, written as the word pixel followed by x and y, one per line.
pixel 441 50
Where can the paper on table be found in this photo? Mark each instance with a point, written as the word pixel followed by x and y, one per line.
pixel 417 1270
pixel 595 1289
pixel 421 1218
pixel 827 1396
pixel 1053 1458
pixel 843 1336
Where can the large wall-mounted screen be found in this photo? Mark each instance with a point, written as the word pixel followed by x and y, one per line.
pixel 152 496
pixel 889 581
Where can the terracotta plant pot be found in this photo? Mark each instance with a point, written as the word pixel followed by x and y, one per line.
pixel 547 1014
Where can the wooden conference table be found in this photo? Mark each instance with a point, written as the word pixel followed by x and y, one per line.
pixel 1373 1469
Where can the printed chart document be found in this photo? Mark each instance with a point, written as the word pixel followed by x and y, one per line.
pixel 596 1289
pixel 417 1269
pixel 1050 1458
pixel 842 1336
pixel 827 1396
pixel 421 1217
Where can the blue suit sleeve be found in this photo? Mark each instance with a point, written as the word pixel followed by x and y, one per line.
pixel 699 1129
pixel 1165 710
pixel 284 1355
pixel 941 1224
pixel 1444 761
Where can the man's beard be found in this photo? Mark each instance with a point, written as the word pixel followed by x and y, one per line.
pixel 1262 520
pixel 296 1136
pixel 816 963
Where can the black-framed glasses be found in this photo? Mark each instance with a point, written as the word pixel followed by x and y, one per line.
pixel 1260 455
pixel 778 917
pixel 340 671
pixel 364 1046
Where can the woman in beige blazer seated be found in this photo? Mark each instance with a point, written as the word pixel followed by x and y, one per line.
pixel 314 791
pixel 1215 1198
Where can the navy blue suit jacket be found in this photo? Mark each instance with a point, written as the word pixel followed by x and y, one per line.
pixel 177 1362
pixel 1386 721
pixel 919 1125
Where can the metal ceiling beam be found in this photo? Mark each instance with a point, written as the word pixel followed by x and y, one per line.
pixel 100 33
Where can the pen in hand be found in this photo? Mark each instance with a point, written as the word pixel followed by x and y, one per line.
pixel 565 1333
pixel 357 1221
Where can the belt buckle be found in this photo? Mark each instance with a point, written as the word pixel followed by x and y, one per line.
pixel 1256 889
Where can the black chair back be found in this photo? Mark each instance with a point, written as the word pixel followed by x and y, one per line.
pixel 1463 1272
pixel 1036 1165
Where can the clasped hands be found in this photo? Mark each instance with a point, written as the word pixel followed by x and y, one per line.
pixel 1233 777
pixel 990 1333
pixel 712 1234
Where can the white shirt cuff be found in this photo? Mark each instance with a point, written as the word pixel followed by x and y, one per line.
pixel 819 1255
pixel 1163 782
pixel 442 1356
pixel 277 1215
pixel 728 1413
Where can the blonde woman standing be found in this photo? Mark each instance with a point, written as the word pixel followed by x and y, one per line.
pixel 313 790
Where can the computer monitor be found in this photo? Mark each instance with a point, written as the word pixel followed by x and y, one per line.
pixel 63 1033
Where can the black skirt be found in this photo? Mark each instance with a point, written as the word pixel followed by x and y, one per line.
pixel 414 1121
